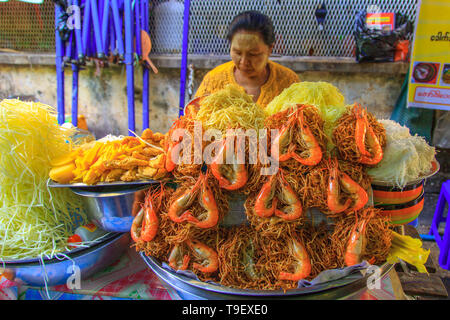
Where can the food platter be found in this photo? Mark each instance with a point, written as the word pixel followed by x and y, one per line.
pixel 245 218
pixel 191 288
pixel 100 185
pixel 435 166
pixel 51 271
pixel 107 237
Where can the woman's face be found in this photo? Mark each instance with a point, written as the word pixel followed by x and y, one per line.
pixel 249 53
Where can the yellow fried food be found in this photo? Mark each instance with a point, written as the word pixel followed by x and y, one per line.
pixel 64 173
pixel 158 161
pixel 63 160
pixel 116 159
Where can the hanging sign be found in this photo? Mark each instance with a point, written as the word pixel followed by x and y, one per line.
pixel 429 72
pixel 384 21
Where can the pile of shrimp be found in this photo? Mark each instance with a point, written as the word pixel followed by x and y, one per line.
pixel 281 242
pixel 171 233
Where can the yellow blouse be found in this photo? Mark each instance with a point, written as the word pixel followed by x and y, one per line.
pixel 280 78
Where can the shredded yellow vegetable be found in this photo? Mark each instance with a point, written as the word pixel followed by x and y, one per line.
pixel 409 250
pixel 230 108
pixel 34 219
pixel 405 158
pixel 323 95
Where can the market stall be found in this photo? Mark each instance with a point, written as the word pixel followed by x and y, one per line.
pixel 321 220
pixel 305 198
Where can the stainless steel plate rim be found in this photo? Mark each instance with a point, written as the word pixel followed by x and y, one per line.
pixel 53 184
pixel 165 274
pixel 59 271
pixel 72 253
pixel 110 192
pixel 422 177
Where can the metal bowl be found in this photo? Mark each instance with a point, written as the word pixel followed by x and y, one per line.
pixel 56 271
pixel 111 209
pixel 191 289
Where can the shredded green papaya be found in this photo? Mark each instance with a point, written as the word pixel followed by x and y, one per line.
pixel 34 220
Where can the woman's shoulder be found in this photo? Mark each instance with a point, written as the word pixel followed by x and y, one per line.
pixel 282 71
pixel 216 79
pixel 220 71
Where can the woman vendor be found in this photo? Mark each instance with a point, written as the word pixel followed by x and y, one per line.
pixel 252 38
pixel 251 35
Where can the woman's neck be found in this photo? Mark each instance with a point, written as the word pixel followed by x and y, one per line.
pixel 255 81
pixel 252 85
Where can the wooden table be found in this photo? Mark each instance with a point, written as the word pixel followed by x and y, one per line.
pixel 417 285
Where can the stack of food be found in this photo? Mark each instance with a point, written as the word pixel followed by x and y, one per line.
pixel 35 221
pixel 398 179
pixel 406 157
pixel 320 149
pixel 113 159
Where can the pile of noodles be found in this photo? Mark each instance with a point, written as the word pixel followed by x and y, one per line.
pixel 252 256
pixel 272 256
pixel 318 245
pixel 316 186
pixel 230 108
pixel 273 226
pixel 236 258
pixel 378 235
pixel 190 164
pixel 170 232
pixel 248 260
pixel 312 118
pixel 323 95
pixel 344 135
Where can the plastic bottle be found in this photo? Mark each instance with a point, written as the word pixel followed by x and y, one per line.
pixel 85 233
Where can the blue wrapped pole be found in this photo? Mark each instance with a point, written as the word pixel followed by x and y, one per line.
pixel 129 64
pixel 68 53
pixel 145 73
pixel 137 24
pixel 184 54
pixel 78 37
pixel 97 32
pixel 105 21
pixel 75 71
pixel 118 27
pixel 59 46
pixel 86 31
pixel 112 36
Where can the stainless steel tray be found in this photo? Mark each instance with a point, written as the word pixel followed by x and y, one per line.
pixel 190 288
pixel 56 271
pixel 115 184
pixel 73 252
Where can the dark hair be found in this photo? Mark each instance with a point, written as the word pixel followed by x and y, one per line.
pixel 253 21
